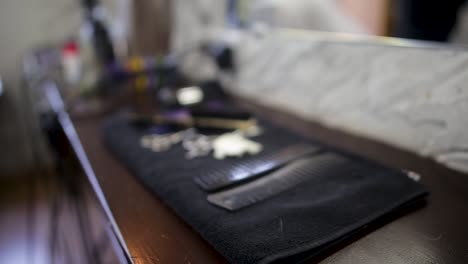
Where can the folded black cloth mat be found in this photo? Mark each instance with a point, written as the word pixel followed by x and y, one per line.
pixel 296 224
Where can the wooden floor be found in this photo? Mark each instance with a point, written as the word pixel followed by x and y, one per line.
pixel 155 234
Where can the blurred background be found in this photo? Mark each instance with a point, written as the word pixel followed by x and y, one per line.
pixel 145 27
pixel 150 27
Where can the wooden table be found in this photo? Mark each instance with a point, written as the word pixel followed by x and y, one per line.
pixel 436 233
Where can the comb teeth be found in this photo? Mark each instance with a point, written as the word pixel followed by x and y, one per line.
pixel 251 168
pixel 279 181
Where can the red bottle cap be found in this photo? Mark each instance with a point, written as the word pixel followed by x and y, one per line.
pixel 70 48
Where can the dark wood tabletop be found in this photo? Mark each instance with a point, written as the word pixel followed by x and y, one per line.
pixel 437 232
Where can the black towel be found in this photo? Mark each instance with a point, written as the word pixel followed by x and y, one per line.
pixel 287 228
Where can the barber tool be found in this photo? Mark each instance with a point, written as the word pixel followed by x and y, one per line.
pixel 189 95
pixel 281 180
pixel 234 145
pixel 231 130
pixel 207 122
pixel 197 145
pixel 254 167
pixel 160 143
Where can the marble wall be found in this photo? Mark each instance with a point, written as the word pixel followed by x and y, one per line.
pixel 413 98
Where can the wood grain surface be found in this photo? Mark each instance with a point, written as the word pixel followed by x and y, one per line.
pixel 435 233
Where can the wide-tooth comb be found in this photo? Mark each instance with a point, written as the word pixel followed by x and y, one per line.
pixel 253 167
pixel 281 180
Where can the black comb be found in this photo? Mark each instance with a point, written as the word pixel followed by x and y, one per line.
pixel 279 181
pixel 253 167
